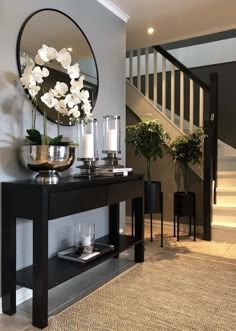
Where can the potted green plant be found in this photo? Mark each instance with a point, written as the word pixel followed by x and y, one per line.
pixel 185 150
pixel 148 139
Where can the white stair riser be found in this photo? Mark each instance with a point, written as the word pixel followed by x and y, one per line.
pixel 224 215
pixel 225 198
pixel 227 164
pixel 227 235
pixel 228 181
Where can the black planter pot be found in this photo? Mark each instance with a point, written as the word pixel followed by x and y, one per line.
pixel 152 197
pixel 153 203
pixel 185 205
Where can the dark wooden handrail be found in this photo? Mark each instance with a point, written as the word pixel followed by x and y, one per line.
pixel 181 67
pixel 214 118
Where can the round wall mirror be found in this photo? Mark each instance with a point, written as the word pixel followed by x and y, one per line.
pixel 55 29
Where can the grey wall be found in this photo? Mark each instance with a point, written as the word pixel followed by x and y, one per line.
pixel 107 35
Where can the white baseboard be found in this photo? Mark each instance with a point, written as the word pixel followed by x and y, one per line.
pixel 22 294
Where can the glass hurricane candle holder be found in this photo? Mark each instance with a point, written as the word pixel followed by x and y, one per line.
pixel 111 140
pixel 88 146
pixel 111 134
pixel 84 235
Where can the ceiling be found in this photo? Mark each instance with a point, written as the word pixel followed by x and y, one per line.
pixel 175 19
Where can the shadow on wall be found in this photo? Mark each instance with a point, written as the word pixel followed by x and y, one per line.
pixel 12 98
pixel 163 170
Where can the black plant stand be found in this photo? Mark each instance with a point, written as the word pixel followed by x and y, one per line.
pixel 153 203
pixel 185 205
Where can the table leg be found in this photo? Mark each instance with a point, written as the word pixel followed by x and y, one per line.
pixel 162 229
pixel 177 228
pixel 195 228
pixel 174 227
pixel 190 226
pixel 40 272
pixel 151 237
pixel 114 223
pixel 139 229
pixel 8 261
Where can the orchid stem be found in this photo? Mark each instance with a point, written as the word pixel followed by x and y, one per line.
pixel 58 123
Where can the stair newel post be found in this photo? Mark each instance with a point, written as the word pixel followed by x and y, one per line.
pixel 207 178
pixel 214 116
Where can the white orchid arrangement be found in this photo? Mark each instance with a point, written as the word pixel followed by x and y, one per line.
pixel 72 101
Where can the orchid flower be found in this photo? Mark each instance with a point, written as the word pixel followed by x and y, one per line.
pixel 73 71
pixel 46 54
pixel 49 100
pixel 60 89
pixel 64 57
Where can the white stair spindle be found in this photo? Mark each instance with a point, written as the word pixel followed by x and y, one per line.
pixel 172 107
pixel 163 85
pixel 201 106
pixel 139 69
pixel 181 115
pixel 191 104
pixel 155 77
pixel 147 72
pixel 131 66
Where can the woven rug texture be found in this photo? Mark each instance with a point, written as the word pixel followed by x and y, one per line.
pixel 178 292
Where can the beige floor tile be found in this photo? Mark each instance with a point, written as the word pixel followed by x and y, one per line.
pixel 210 247
pixel 231 252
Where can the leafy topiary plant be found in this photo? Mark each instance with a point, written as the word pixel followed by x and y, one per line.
pixel 186 149
pixel 148 138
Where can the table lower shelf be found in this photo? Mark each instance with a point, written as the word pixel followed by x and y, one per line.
pixel 61 270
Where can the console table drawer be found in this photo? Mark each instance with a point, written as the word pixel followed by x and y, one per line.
pixel 124 191
pixel 76 201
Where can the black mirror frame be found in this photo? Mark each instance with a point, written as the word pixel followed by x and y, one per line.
pixel 18 55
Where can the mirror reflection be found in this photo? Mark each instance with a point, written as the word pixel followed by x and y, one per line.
pixel 57 30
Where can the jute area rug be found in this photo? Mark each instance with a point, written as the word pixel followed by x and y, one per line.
pixel 180 291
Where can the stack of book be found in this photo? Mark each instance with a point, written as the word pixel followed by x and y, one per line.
pixel 106 171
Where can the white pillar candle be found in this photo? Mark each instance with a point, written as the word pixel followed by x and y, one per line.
pixel 86 240
pixel 87 146
pixel 112 140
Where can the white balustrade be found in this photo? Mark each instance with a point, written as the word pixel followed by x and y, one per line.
pixel 155 77
pixel 148 64
pixel 139 69
pixel 201 106
pixel 172 86
pixel 191 104
pixel 181 115
pixel 147 72
pixel 163 85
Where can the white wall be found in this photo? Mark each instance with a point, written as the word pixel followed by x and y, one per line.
pixel 107 35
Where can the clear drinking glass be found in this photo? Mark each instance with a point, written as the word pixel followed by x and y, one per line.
pixel 84 234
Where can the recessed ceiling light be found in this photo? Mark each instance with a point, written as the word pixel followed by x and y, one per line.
pixel 69 49
pixel 150 30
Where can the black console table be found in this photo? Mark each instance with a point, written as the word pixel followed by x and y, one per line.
pixel 42 203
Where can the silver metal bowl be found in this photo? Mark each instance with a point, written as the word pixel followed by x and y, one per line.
pixel 47 160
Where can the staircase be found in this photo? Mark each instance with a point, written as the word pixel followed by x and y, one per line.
pixel 144 68
pixel 224 211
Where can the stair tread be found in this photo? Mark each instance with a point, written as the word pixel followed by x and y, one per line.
pixel 226 189
pixel 226 173
pixel 223 224
pixel 225 205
